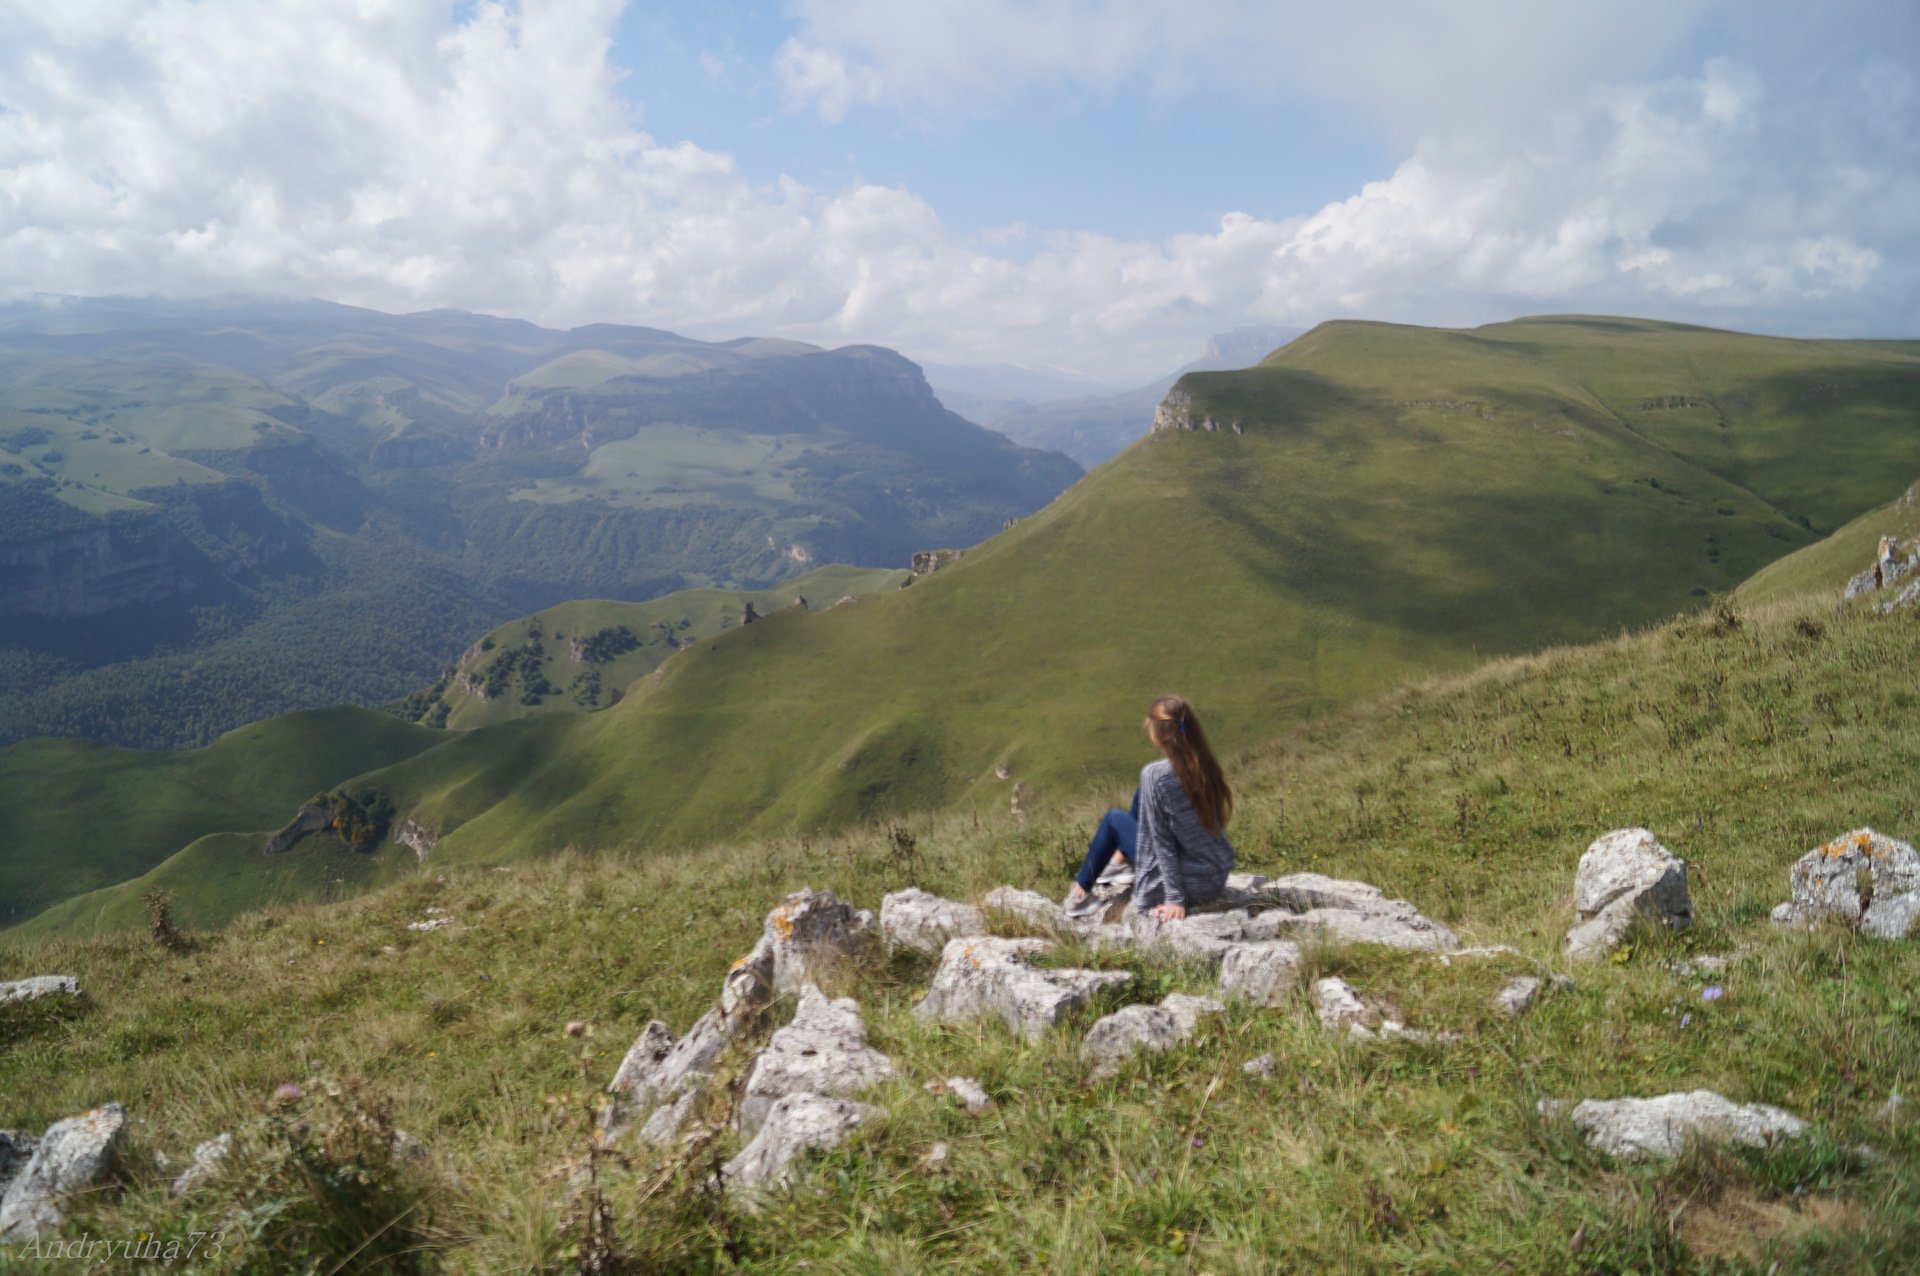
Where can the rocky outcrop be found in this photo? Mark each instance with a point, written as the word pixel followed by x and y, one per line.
pixel 1625 875
pixel 1891 565
pixel 924 922
pixel 1127 1031
pixel 1029 908
pixel 1344 911
pixel 1863 879
pixel 314 817
pixel 987 978
pixel 795 1125
pixel 40 987
pixel 1260 974
pixel 1634 1129
pixel 823 1051
pixel 928 561
pixel 416 837
pixel 1176 412
pixel 802 938
pixel 73 1156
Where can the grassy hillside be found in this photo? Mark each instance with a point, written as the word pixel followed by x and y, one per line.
pixel 584 655
pixel 1827 566
pixel 76 816
pixel 1396 501
pixel 1741 739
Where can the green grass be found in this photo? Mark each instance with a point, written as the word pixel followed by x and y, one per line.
pixel 1397 502
pixel 1343 543
pixel 76 816
pixel 669 466
pixel 1827 566
pixel 660 627
pixel 1741 741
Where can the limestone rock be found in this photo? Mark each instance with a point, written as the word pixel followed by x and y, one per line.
pixel 205 1164
pixel 664 1123
pixel 823 1051
pixel 972 1095
pixel 1261 974
pixel 638 1076
pixel 924 922
pixel 1340 1008
pixel 810 928
pixel 39 986
pixel 72 1156
pixel 1030 908
pixel 1625 874
pixel 796 1124
pixel 16 1149
pixel 1633 1129
pixel 1345 911
pixel 1127 1031
pixel 1517 996
pixel 985 977
pixel 1260 1066
pixel 1863 878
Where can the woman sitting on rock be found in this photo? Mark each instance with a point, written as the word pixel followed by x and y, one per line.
pixel 1180 852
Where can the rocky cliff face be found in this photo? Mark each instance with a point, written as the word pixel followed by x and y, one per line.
pixel 1176 412
pixel 199 535
pixel 85 572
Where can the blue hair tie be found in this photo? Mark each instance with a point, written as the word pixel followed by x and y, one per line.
pixel 1182 724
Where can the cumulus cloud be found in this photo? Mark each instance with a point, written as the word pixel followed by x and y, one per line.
pixel 415 153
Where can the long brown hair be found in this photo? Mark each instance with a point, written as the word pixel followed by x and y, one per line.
pixel 1176 730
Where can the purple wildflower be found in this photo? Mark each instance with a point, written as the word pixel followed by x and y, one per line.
pixel 1198 1142
pixel 1686 1019
pixel 1712 992
pixel 288 1091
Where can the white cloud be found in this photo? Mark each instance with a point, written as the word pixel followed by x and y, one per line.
pixel 413 153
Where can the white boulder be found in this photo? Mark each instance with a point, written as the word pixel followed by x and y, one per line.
pixel 823 1051
pixel 796 1124
pixel 986 977
pixel 1633 1129
pixel 1119 1036
pixel 73 1156
pixel 1863 878
pixel 924 922
pixel 38 987
pixel 1624 875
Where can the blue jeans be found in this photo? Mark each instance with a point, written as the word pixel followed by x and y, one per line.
pixel 1119 831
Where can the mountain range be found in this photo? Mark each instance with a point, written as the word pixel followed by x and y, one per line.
pixel 212 512
pixel 1371 504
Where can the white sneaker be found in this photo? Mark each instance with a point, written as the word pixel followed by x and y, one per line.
pixel 1117 876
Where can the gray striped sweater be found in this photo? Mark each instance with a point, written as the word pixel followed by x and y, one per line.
pixel 1177 860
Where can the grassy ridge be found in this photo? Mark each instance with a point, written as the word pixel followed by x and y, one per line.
pixel 1741 740
pixel 1398 501
pixel 515 662
pixel 1395 502
pixel 76 816
pixel 1827 566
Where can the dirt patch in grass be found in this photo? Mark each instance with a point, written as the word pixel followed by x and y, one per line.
pixel 1737 1223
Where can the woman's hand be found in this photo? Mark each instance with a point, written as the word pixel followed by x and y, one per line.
pixel 1170 912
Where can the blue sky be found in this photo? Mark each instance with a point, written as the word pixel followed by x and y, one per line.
pixel 1094 185
pixel 1124 163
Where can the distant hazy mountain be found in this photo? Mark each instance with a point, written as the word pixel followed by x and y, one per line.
pixel 1088 425
pixel 210 512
